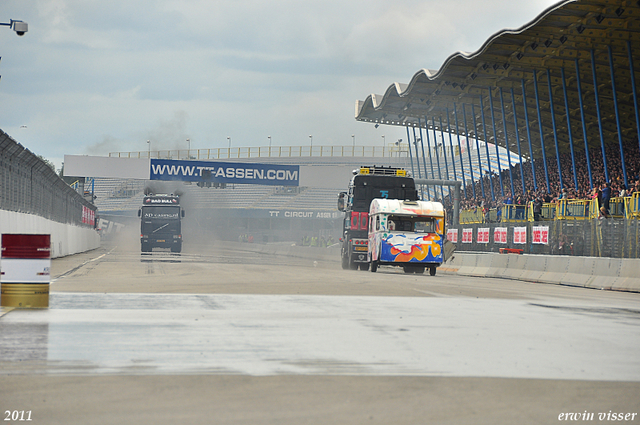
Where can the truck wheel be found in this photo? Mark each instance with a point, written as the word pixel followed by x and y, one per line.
pixel 374 266
pixel 418 270
pixel 432 271
pixel 345 262
pixel 407 269
pixel 352 264
pixel 364 266
pixel 145 248
pixel 177 248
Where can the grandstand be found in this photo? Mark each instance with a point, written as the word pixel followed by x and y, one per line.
pixel 561 91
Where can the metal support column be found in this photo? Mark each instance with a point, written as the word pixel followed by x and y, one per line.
pixel 526 120
pixel 486 144
pixel 584 125
pixel 495 141
pixel 633 88
pixel 566 108
pixel 453 157
pixel 435 142
pixel 426 132
pixel 444 151
pixel 595 92
pixel 415 143
pixel 615 105
pixel 464 177
pixel 555 131
pixel 515 125
pixel 475 134
pixel 506 143
pixel 544 154
pixel 410 155
pixel 424 159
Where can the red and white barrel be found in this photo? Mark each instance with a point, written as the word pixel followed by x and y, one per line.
pixel 25 266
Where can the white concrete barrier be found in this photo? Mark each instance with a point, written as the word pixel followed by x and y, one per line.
pixel 590 272
pixel 629 275
pixel 66 239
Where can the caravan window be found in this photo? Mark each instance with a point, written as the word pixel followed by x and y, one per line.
pixel 416 224
pixel 425 225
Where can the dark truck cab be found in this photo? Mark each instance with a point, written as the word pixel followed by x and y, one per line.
pixel 160 223
pixel 367 184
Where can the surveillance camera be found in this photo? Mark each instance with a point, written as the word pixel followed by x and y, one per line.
pixel 20 28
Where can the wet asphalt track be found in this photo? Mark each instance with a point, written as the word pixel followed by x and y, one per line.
pixel 116 312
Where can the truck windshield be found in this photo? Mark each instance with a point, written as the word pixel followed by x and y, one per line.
pixel 160 213
pixel 160 220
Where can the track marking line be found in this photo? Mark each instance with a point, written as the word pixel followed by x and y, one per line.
pixel 68 272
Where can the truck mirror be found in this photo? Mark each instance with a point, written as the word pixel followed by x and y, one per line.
pixel 139 213
pixel 182 213
pixel 341 201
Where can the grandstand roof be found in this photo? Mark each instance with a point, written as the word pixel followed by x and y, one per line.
pixel 563 39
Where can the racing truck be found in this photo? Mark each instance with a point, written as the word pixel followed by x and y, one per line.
pixel 367 184
pixel 160 225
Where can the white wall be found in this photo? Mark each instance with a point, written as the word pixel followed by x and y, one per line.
pixel 66 239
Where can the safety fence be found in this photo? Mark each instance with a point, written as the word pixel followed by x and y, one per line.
pixel 29 185
pixel 564 209
pixel 618 238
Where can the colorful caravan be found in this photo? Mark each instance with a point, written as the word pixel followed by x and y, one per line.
pixel 409 234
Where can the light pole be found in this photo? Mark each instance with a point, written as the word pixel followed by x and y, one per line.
pixel 149 148
pixel 383 144
pixel 311 138
pixel 189 146
pixel 229 153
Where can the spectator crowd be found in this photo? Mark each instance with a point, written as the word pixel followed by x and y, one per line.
pixel 602 188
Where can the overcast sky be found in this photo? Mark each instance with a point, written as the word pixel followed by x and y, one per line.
pixel 93 77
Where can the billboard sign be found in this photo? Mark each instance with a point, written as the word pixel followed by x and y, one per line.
pixel 225 172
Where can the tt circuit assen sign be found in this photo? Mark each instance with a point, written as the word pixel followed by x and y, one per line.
pixel 225 172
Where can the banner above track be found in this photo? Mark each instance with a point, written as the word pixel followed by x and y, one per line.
pixel 182 170
pixel 224 172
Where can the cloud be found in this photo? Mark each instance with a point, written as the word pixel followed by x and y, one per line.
pixel 92 77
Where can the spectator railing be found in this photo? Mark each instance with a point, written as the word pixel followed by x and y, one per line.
pixel 491 216
pixel 514 213
pixel 617 208
pixel 270 152
pixel 575 209
pixel 563 209
pixel 632 206
pixel 548 212
pixel 471 216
